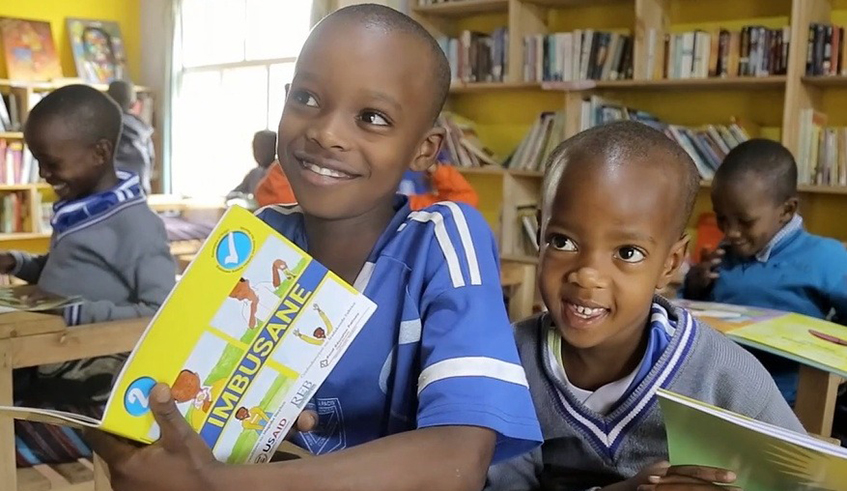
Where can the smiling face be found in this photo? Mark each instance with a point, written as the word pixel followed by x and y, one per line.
pixel 73 167
pixel 748 213
pixel 608 242
pixel 357 115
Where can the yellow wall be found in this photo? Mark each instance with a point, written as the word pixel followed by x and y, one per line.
pixel 126 12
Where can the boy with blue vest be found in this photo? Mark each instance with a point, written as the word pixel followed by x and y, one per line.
pixel 431 390
pixel 767 258
pixel 107 247
pixel 615 202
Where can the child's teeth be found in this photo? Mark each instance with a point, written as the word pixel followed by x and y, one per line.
pixel 587 310
pixel 324 171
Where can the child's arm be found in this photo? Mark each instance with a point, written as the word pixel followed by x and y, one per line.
pixel 701 277
pixel 25 266
pixel 152 274
pixel 442 458
pixel 448 184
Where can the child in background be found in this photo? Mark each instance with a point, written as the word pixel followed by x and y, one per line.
pixel 767 258
pixel 615 202
pixel 107 247
pixel 264 152
pixel 134 151
pixel 438 183
pixel 431 390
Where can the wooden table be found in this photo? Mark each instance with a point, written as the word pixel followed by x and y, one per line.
pixel 29 339
pixel 817 389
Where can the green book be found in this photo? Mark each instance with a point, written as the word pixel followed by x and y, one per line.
pixel 763 456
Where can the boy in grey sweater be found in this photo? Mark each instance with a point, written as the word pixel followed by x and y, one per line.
pixel 616 200
pixel 107 247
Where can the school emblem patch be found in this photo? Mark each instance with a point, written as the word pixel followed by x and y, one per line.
pixel 330 434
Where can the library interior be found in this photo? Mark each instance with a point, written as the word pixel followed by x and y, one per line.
pixel 562 123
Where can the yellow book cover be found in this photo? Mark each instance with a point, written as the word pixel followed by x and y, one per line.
pixel 807 340
pixel 248 334
pixel 764 457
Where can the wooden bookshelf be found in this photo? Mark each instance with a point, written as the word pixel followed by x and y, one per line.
pixel 11 135
pixel 772 105
pixel 50 86
pixel 463 8
pixel 21 236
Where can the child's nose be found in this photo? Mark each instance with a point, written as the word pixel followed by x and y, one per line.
pixel 328 132
pixel 588 277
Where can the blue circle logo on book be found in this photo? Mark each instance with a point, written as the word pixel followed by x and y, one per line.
pixel 137 396
pixel 233 250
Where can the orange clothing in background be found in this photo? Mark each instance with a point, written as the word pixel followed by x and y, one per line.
pixel 447 182
pixel 274 188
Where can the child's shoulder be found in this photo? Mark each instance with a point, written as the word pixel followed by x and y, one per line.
pixel 826 245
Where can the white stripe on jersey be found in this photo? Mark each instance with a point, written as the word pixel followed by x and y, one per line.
pixel 444 241
pixel 281 209
pixel 410 332
pixel 472 366
pixel 364 277
pixel 467 243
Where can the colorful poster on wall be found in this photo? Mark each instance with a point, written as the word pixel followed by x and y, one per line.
pixel 29 50
pixel 98 50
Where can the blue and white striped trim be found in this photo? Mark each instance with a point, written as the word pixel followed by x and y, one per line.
pixel 138 200
pixel 606 434
pixel 472 366
pixel 448 248
pixel 72 315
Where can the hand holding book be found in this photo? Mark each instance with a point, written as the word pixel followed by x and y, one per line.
pixel 183 459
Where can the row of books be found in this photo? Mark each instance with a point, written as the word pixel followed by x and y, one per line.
pixel 754 51
pixel 707 145
pixel 822 155
pixel 10 113
pixel 825 52
pixel 578 55
pixel 540 141
pixel 17 166
pixel 476 56
pixel 13 212
pixel 462 146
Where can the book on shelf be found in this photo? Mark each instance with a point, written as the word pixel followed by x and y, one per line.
pixel 707 144
pixel 539 142
pixel 825 51
pixel 583 54
pixel 822 154
pixel 477 56
pixel 755 51
pixel 17 165
pixel 528 226
pixel 763 456
pixel 462 146
pixel 14 212
pixel 807 340
pixel 249 333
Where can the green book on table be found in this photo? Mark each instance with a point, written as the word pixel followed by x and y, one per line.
pixel 763 456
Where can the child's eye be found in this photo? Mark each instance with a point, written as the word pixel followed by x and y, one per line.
pixel 630 254
pixel 374 118
pixel 561 243
pixel 304 98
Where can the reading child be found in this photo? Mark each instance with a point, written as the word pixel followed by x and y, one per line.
pixel 767 258
pixel 107 247
pixel 615 202
pixel 135 151
pixel 264 152
pixel 431 390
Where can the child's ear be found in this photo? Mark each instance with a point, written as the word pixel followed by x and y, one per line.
pixel 789 208
pixel 428 150
pixel 103 152
pixel 673 262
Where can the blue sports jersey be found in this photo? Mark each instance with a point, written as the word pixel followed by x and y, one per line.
pixel 439 350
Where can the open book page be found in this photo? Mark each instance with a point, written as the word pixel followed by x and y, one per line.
pixel 764 457
pixel 793 336
pixel 49 416
pixel 31 299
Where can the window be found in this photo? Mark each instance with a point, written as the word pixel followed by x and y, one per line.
pixel 232 63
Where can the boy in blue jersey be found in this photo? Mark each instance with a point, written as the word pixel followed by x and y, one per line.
pixel 431 390
pixel 615 202
pixel 767 258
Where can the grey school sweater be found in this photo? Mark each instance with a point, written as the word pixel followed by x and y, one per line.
pixel 120 263
pixel 583 450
